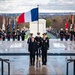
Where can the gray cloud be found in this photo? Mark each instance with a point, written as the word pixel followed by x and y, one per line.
pixel 25 5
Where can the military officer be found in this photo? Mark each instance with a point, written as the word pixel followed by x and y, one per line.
pixel 23 35
pixel 45 47
pixel 61 34
pixel 13 34
pixel 18 34
pixel 66 35
pixel 71 34
pixel 3 35
pixel 8 35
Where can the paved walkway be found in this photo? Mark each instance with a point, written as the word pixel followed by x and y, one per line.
pixel 56 65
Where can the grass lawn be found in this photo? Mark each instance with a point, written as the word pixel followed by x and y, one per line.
pixel 26 36
pixel 48 36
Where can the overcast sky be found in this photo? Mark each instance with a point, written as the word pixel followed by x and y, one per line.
pixel 19 6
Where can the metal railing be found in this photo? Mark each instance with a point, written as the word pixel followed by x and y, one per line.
pixel 49 54
pixel 26 54
pixel 2 65
pixel 69 61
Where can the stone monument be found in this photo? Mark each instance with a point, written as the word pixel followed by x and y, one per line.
pixel 38 26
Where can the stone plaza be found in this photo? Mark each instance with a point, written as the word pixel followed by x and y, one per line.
pixel 19 65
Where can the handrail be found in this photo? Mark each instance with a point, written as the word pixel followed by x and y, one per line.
pixel 5 60
pixel 2 65
pixel 69 61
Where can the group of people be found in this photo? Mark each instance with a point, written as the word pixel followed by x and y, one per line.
pixel 36 46
pixel 15 34
pixel 67 34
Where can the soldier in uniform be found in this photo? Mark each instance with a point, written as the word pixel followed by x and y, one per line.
pixel 18 34
pixel 71 34
pixel 0 34
pixel 3 35
pixel 23 35
pixel 74 35
pixel 32 50
pixel 8 35
pixel 13 34
pixel 45 47
pixel 66 35
pixel 38 40
pixel 61 34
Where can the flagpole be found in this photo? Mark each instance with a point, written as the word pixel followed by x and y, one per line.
pixel 38 20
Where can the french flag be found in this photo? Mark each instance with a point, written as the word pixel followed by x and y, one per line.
pixel 29 16
pixel 66 25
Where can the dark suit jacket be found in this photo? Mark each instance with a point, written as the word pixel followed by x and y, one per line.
pixel 45 44
pixel 32 47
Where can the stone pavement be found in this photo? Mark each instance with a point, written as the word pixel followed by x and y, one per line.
pixel 56 65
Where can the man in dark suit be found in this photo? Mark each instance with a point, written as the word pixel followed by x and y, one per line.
pixel 29 39
pixel 32 49
pixel 45 47
pixel 38 40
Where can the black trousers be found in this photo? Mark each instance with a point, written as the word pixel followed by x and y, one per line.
pixel 18 37
pixel 23 38
pixel 44 56
pixel 66 38
pixel 32 58
pixel 61 38
pixel 71 38
pixel 13 38
pixel 3 38
pixel 8 38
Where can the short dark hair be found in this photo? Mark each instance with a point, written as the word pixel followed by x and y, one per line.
pixel 44 34
pixel 31 33
pixel 38 33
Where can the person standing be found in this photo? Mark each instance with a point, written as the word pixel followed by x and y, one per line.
pixel 32 49
pixel 66 35
pixel 74 35
pixel 38 40
pixel 3 35
pixel 0 34
pixel 61 33
pixel 8 35
pixel 23 35
pixel 71 34
pixel 18 34
pixel 45 47
pixel 13 34
pixel 29 41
